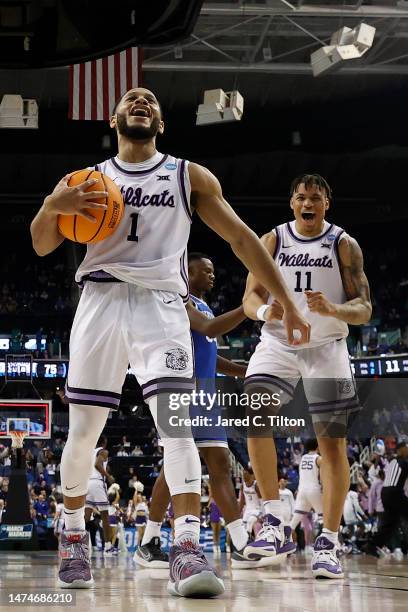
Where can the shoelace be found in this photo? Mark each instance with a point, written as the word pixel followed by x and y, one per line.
pixel 270 533
pixel 79 552
pixel 184 560
pixel 327 556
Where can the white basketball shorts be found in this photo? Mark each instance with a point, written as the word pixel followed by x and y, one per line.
pixel 309 499
pixel 97 495
pixel 325 370
pixel 117 324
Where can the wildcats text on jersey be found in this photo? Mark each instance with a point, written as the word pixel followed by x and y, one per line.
pixel 303 260
pixel 136 198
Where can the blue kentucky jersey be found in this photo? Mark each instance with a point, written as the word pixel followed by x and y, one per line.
pixel 205 350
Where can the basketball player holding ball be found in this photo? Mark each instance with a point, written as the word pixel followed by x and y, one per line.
pixel 132 311
pixel 323 266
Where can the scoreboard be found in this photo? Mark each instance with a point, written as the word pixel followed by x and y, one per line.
pixel 383 365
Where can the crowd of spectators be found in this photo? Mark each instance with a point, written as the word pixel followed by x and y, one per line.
pixel 38 288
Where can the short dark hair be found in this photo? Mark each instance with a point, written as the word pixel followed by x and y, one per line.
pixel 196 255
pixel 111 497
pixel 311 444
pixel 102 439
pixel 311 180
pixel 118 101
pixel 401 445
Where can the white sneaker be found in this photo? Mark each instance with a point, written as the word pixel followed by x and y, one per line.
pixel 325 560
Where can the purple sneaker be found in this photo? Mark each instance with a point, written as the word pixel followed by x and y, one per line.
pixel 273 543
pixel 326 560
pixel 190 573
pixel 75 568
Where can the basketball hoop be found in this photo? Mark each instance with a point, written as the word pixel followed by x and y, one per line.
pixel 17 438
pixel 18 429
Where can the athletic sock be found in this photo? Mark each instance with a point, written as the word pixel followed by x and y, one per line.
pixel 238 533
pixel 332 536
pixel 187 528
pixel 108 545
pixel 152 531
pixel 274 507
pixel 74 519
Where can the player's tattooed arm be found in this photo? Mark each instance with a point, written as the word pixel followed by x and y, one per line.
pixel 218 325
pixel 210 204
pixel 357 310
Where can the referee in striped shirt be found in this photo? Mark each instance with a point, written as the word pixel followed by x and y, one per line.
pixel 394 500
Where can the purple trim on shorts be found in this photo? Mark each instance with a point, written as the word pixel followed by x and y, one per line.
pixel 272 380
pixel 100 276
pixel 137 172
pixel 333 407
pixel 278 242
pixel 167 385
pixel 182 186
pixel 92 503
pixel 306 240
pixel 92 397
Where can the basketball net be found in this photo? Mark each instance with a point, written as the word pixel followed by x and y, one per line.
pixel 17 438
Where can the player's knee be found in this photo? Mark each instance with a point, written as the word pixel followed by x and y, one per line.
pixel 332 448
pixel 217 461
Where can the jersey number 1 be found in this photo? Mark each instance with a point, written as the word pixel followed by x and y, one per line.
pixel 132 236
pixel 308 287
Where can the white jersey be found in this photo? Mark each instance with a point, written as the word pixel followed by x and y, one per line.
pixel 309 264
pixel 95 475
pixel 252 500
pixel 309 472
pixel 149 247
pixel 142 508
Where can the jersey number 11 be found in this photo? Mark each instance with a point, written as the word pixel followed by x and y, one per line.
pixel 299 287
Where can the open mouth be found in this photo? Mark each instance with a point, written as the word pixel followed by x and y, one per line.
pixel 308 216
pixel 140 112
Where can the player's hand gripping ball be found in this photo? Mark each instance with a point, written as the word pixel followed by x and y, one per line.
pixel 97 203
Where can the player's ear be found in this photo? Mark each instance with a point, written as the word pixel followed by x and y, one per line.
pixel 161 126
pixel 327 205
pixel 291 203
pixel 112 122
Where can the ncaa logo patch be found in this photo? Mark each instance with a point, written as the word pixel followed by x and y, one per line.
pixel 171 166
pixel 331 237
pixel 177 359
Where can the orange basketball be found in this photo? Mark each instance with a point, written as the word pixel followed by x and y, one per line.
pixel 78 228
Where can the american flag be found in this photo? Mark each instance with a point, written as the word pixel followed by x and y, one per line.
pixel 96 85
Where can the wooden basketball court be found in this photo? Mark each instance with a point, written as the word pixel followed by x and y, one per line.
pixel 370 586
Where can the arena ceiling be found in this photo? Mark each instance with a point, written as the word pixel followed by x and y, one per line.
pixel 278 36
pixel 262 48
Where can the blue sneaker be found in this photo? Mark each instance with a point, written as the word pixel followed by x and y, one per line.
pixel 326 559
pixel 190 573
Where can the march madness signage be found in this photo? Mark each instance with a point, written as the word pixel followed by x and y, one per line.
pixel 16 532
